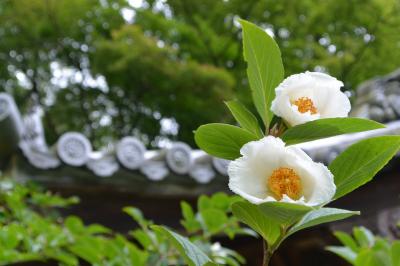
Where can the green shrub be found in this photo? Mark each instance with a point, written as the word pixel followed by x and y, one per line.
pixel 32 230
pixel 366 249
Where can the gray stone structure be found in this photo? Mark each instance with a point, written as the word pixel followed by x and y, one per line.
pixel 379 98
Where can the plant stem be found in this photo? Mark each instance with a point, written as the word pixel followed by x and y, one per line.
pixel 267 254
pixel 270 249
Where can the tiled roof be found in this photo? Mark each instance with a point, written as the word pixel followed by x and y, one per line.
pixel 75 150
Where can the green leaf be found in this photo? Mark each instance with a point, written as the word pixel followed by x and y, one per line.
pixel 284 213
pixel 87 248
pixel 264 67
pixel 364 237
pixel 74 224
pixel 10 235
pixel 344 252
pixel 187 211
pixel 222 140
pixel 328 127
pixel 222 201
pixel 245 118
pixel 190 223
pixel 371 257
pixel 381 244
pixel 192 254
pixel 61 256
pixel 346 240
pixel 214 220
pixel 251 215
pixel 143 238
pixel 136 215
pixel 204 203
pixel 49 200
pixel 97 229
pixel 395 253
pixel 359 163
pixel 320 216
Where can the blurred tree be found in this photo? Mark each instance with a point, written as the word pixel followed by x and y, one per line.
pixel 91 72
pixel 351 39
pixel 155 68
pixel 44 52
pixel 150 82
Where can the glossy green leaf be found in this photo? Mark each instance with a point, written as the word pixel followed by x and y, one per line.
pixel 192 254
pixel 328 127
pixel 320 216
pixel 264 67
pixel 245 118
pixel 284 213
pixel 222 140
pixel 251 215
pixel 359 163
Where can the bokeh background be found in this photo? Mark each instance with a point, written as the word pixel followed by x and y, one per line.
pixel 153 68
pixel 158 69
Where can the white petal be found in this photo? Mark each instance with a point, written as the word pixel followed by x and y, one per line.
pixel 317 180
pixel 246 182
pixel 298 153
pixel 332 103
pixel 293 83
pixel 321 88
pixel 325 188
pixel 301 201
pixel 323 79
pixel 253 148
pixel 248 175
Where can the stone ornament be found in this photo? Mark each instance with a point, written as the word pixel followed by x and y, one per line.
pixel 74 148
pixel 130 153
pixel 179 158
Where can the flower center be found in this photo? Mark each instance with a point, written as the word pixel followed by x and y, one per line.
pixel 305 104
pixel 285 181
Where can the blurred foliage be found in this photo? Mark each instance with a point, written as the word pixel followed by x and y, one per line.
pixel 32 230
pixel 92 72
pixel 365 249
pixel 95 72
pixel 149 78
pixel 352 40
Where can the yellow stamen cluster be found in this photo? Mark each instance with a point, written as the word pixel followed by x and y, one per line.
pixel 285 181
pixel 305 104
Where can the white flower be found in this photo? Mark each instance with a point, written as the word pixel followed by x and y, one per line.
pixel 269 171
pixel 309 96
